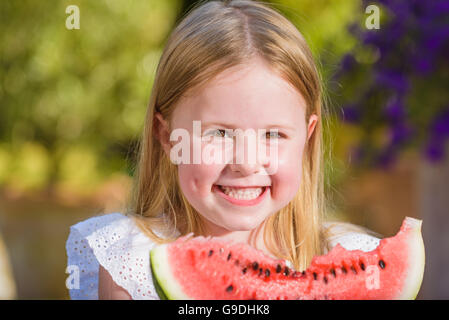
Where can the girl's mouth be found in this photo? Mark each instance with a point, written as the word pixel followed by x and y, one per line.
pixel 242 196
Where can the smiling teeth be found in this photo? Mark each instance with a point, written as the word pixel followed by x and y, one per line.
pixel 242 194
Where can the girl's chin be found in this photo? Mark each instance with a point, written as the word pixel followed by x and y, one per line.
pixel 242 224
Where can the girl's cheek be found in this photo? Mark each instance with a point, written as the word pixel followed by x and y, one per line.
pixel 197 179
pixel 287 179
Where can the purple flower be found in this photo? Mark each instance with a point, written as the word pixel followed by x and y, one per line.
pixel 392 80
pixel 394 110
pixel 442 6
pixel 440 126
pixel 435 151
pixel 436 39
pixel 423 65
pixel 348 62
pixel 413 43
pixel 351 113
pixel 400 133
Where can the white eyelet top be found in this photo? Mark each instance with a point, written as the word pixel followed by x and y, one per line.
pixel 116 243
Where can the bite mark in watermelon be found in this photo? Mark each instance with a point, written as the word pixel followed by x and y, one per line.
pixel 209 269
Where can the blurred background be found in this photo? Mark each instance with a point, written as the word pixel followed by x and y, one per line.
pixel 72 104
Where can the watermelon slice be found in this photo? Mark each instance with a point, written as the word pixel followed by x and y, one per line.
pixel 207 269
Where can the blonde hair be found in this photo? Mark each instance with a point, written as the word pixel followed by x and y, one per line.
pixel 213 37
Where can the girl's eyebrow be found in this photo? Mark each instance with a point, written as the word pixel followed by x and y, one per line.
pixel 208 124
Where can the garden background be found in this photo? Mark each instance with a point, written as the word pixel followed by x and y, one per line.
pixel 72 104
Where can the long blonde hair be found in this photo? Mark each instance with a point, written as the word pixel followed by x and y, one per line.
pixel 213 37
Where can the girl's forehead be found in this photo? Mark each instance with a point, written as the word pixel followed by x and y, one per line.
pixel 251 93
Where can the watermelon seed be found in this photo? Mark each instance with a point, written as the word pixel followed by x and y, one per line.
pixel 255 265
pixel 344 270
pixel 236 262
pixel 244 270
pixel 303 274
pixel 260 271
pixel 286 271
pixel 267 272
pixel 325 279
pixel 382 264
pixel 333 273
pixel 353 270
pixel 229 256
pixel 362 266
pixel 315 276
pixel 229 289
pixel 278 268
pixel 210 252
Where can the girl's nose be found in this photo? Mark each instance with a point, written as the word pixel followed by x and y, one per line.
pixel 249 160
pixel 245 169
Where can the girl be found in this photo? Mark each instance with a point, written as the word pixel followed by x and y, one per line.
pixel 229 65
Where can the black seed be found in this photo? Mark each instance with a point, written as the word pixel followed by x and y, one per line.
pixel 278 268
pixel 325 279
pixel 255 265
pixel 362 266
pixel 353 269
pixel 260 271
pixel 267 272
pixel 333 273
pixel 229 256
pixel 382 264
pixel 286 271
pixel 314 276
pixel 230 288
pixel 210 252
pixel 344 270
pixel 244 270
pixel 303 274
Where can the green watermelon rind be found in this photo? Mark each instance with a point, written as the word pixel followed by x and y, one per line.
pixel 160 292
pixel 166 288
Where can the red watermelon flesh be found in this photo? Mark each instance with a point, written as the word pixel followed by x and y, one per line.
pixel 208 269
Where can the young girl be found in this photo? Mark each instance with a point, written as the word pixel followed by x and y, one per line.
pixel 228 65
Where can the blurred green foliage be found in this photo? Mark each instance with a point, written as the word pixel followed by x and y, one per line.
pixel 73 101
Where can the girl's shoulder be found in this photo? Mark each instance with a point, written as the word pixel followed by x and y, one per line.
pixel 350 236
pixel 115 242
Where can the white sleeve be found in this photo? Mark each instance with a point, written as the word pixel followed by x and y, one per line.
pixel 345 235
pixel 356 241
pixel 116 243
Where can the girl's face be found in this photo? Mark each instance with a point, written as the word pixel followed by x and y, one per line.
pixel 249 97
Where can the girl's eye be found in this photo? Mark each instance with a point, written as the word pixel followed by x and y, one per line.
pixel 218 133
pixel 273 134
pixel 221 133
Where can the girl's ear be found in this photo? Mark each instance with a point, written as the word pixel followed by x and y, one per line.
pixel 162 132
pixel 313 120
